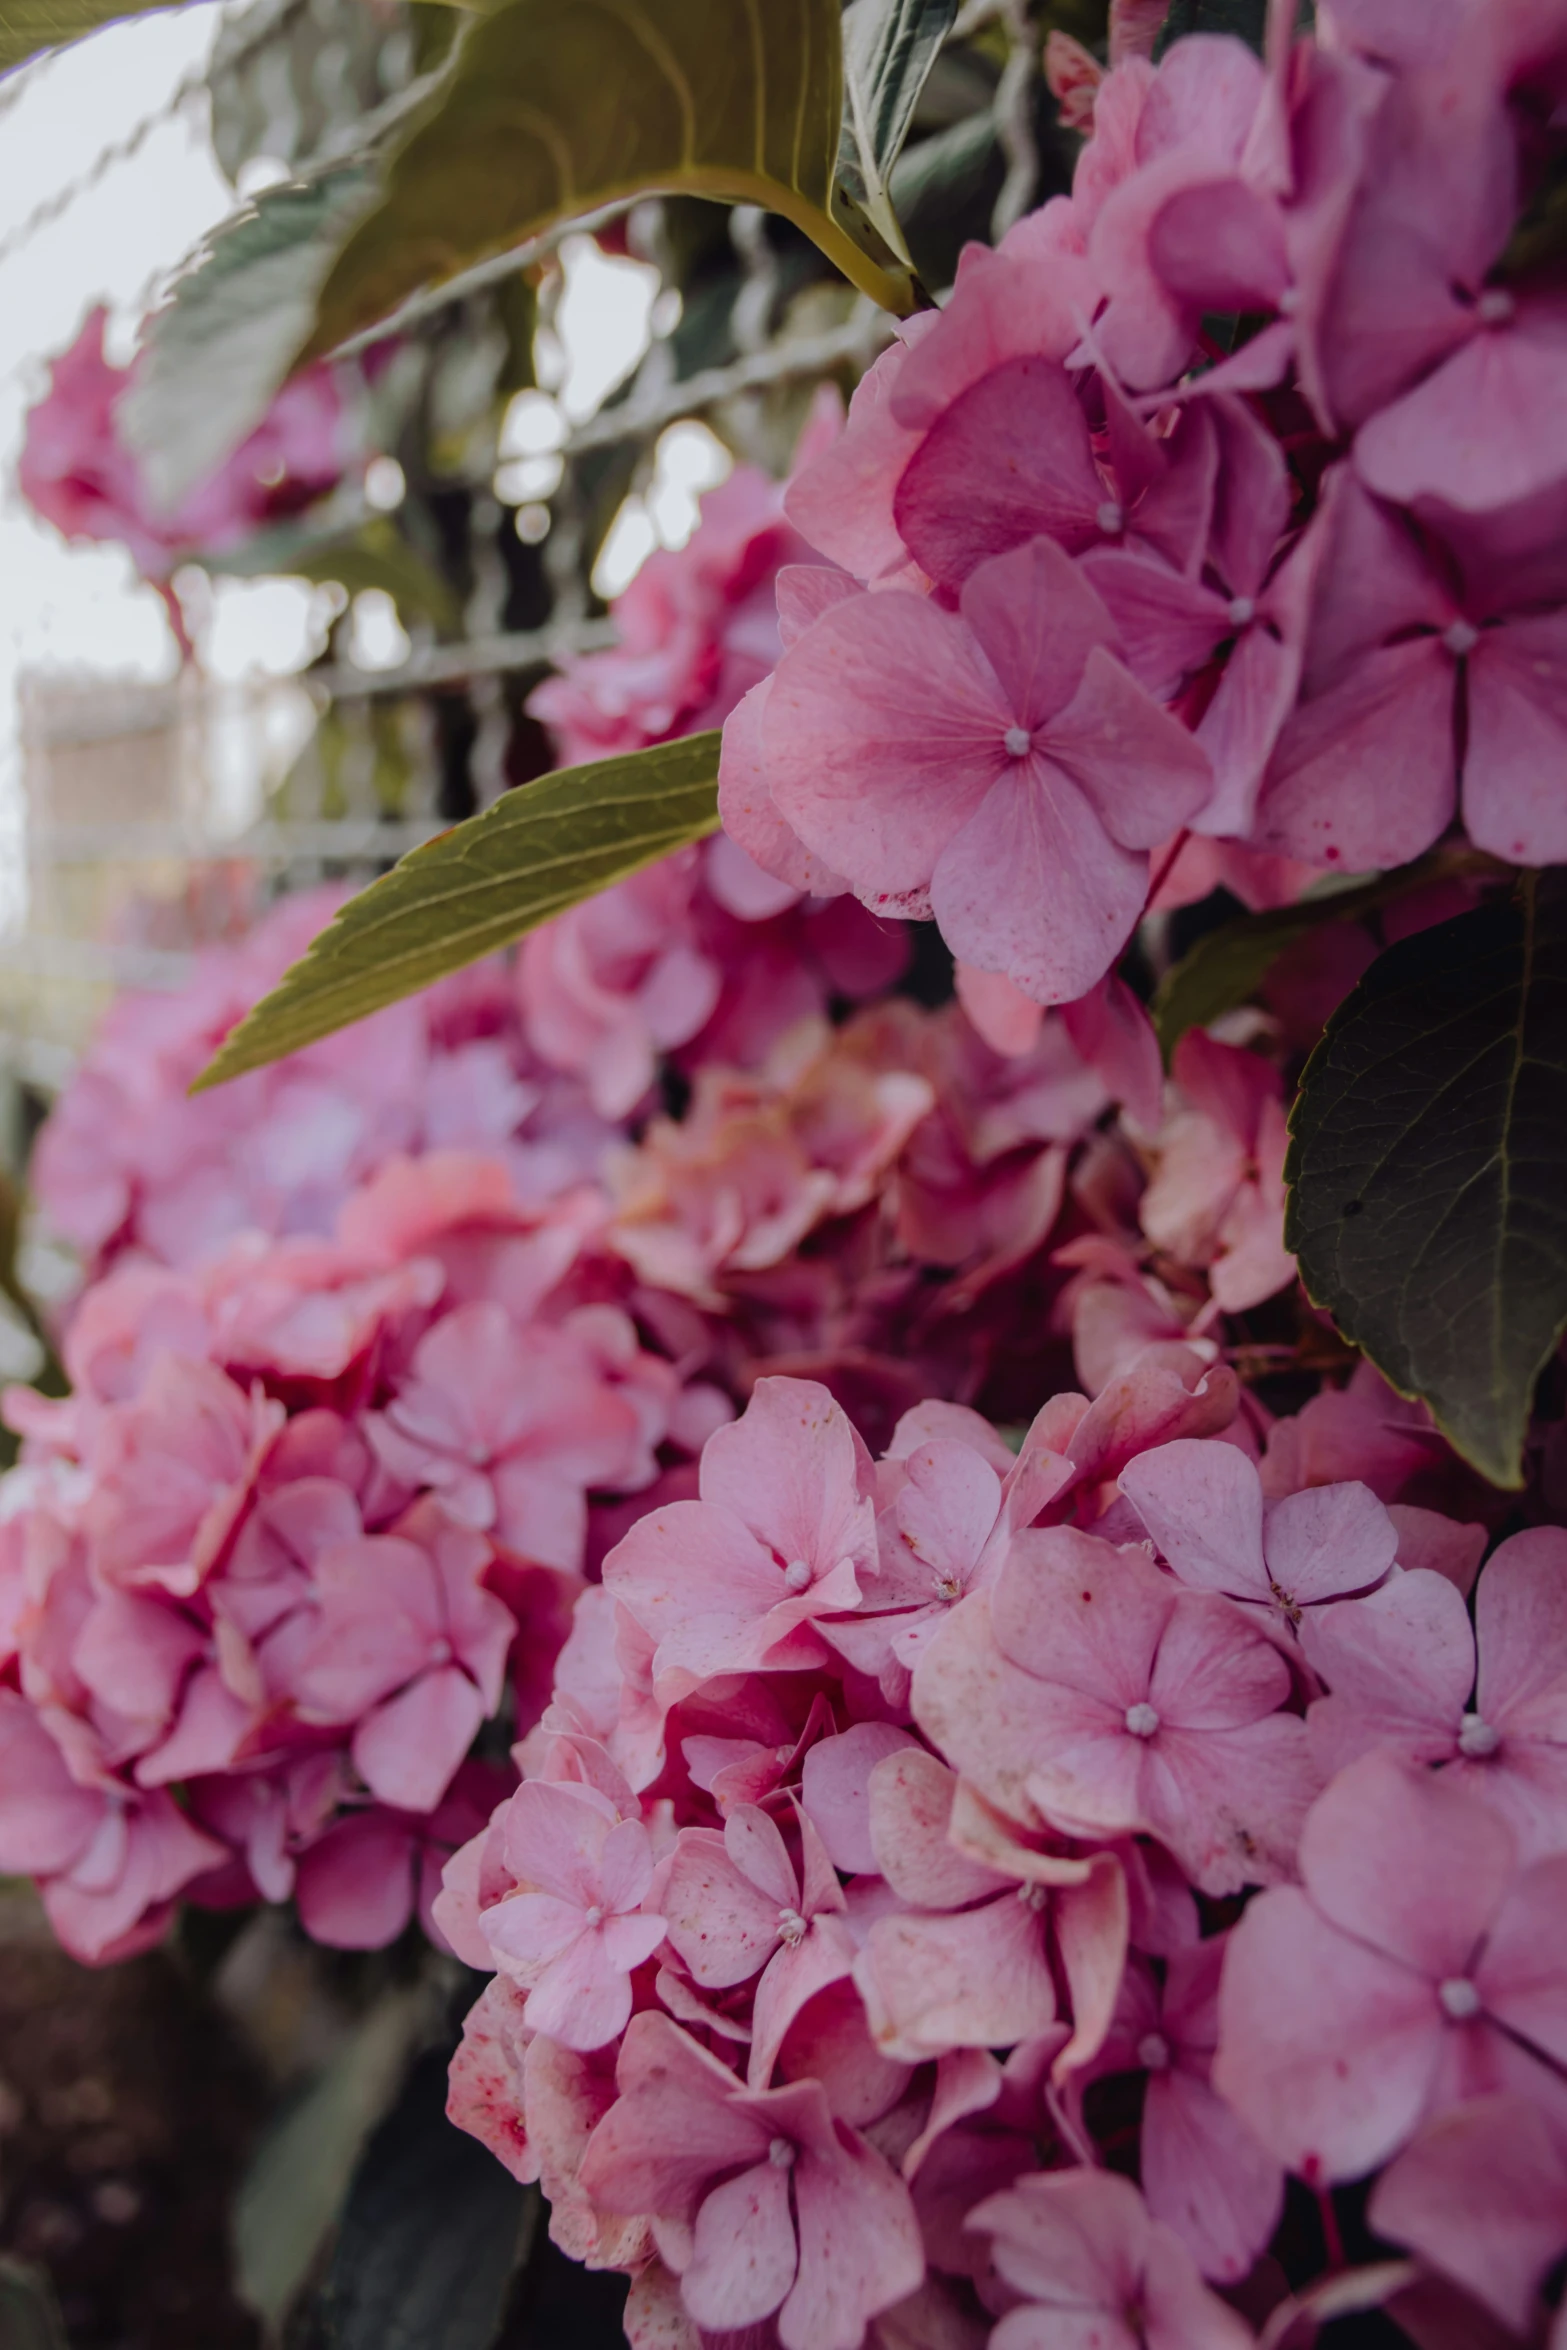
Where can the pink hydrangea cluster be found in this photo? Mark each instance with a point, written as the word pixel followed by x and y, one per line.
pixel 1224 499
pixel 310 1516
pixel 539 1061
pixel 950 1897
pixel 78 471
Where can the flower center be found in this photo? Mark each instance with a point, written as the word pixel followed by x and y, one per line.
pixel 1460 639
pixel 1110 519
pixel 948 1588
pixel 1018 742
pixel 593 1916
pixel 780 2154
pixel 1153 2052
pixel 1476 1736
pixel 1141 1720
pixel 797 1574
pixel 440 1652
pixel 1243 610
pixel 1288 302
pixel 1460 2000
pixel 1495 306
pixel 1033 1896
pixel 791 1927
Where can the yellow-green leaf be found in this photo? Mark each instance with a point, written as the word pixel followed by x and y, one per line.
pixel 26 26
pixel 536 852
pixel 555 107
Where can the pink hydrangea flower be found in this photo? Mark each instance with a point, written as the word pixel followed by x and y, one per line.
pixel 1217 1194
pixel 997 765
pixel 1203 1504
pixel 1401 1668
pixel 766 2207
pixel 784 1528
pixel 1089 1691
pixel 1202 2171
pixel 1413 1966
pixel 576 1933
pixel 1090 2266
pixel 1481 2195
pixel 410 1648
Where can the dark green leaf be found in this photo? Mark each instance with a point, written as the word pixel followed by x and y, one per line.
pixel 26 26
pixel 431 2233
pixel 29 2314
pixel 1429 1170
pixel 537 851
pixel 551 111
pixel 226 337
pixel 1227 966
pixel 889 47
pixel 296 2182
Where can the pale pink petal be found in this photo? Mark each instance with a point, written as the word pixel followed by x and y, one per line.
pixel 583 1997
pixel 724 1926
pixel 977 1979
pixel 835 1789
pixel 793 1978
pixel 1144 774
pixel 1517 733
pixel 408 1747
pixel 1399 1665
pixel 1521 1621
pixel 1327 1541
pixel 1380 1832
pixel 1202 1503
pixel 744 2258
pixel 1205 2175
pixel 1366 775
pixel 1481 2195
pixel 746 805
pixel 1037 618
pixel 859 2246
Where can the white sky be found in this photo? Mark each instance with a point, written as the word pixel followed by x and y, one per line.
pixel 82 608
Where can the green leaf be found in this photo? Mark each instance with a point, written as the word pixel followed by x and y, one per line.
pixel 538 850
pixel 374 554
pixel 889 47
pixel 26 26
pixel 226 338
pixel 1429 1170
pixel 552 110
pixel 29 2314
pixel 431 2233
pixel 296 2182
pixel 1228 965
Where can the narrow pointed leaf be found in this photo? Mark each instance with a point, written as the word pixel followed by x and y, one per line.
pixel 552 110
pixel 26 26
pixel 889 47
pixel 1428 1170
pixel 539 850
pixel 226 337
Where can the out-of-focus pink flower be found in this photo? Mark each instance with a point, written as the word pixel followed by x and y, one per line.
pixel 576 1932
pixel 171 1474
pixel 1481 2195
pixel 997 766
pixel 1087 1690
pixel 1401 1668
pixel 1204 1507
pixel 764 2203
pixel 784 1528
pixel 360 1884
pixel 510 1428
pixel 110 1860
pixel 1415 1965
pixel 410 1648
pixel 1216 1198
pixel 1202 2171
pixel 1091 2267
pixel 77 471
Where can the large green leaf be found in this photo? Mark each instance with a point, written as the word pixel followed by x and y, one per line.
pixel 552 110
pixel 226 338
pixel 430 2235
pixel 1428 1206
pixel 26 26
pixel 537 851
pixel 889 47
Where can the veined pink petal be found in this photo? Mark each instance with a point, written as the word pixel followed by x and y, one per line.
pixel 1366 774
pixel 859 2246
pixel 1202 1503
pixel 1037 618
pixel 1008 460
pixel 745 2257
pixel 1329 1540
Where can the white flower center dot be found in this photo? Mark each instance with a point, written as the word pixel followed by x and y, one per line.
pixel 1017 740
pixel 593 1916
pixel 780 2154
pixel 1460 2000
pixel 797 1574
pixel 948 1588
pixel 1288 302
pixel 1460 639
pixel 1141 1720
pixel 440 1652
pixel 1476 1736
pixel 1495 306
pixel 1243 610
pixel 791 1927
pixel 1153 2052
pixel 1033 1896
pixel 1110 519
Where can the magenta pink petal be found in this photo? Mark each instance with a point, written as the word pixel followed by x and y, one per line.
pixel 1144 774
pixel 1327 1541
pixel 1202 1503
pixel 407 1748
pixel 1520 1976
pixel 1037 618
pixel 1517 737
pixel 1168 625
pixel 1009 460
pixel 1481 2195
pixel 1521 1620
pixel 1365 775
pixel 1205 2175
pixel 1381 1832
